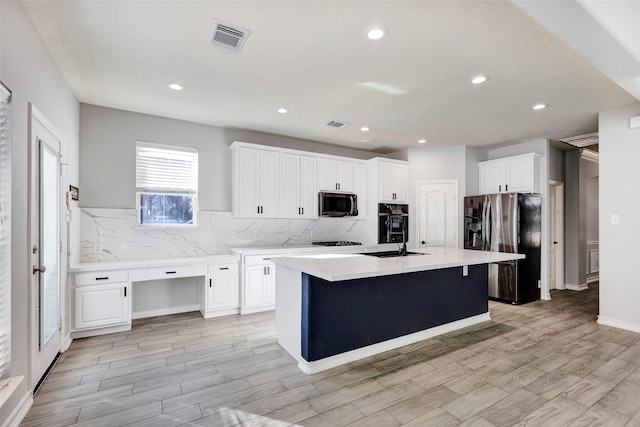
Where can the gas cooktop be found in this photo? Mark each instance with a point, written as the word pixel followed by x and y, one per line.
pixel 337 243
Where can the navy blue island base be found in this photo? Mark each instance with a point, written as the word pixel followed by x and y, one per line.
pixel 338 317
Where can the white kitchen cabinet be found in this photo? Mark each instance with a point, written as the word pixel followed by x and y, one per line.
pixel 393 176
pixel 103 305
pixel 360 187
pixel 221 293
pixel 298 191
pixel 255 182
pixel 259 283
pixel 335 174
pixel 515 174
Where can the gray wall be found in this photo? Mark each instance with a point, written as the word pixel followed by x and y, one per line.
pixel 29 71
pixel 619 172
pixel 107 154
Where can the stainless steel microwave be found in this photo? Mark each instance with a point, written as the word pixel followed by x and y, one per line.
pixel 337 204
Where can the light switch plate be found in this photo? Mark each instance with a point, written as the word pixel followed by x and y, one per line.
pixel 615 219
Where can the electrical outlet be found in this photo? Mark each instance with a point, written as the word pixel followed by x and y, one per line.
pixel 256 235
pixel 311 234
pixel 195 246
pixel 97 248
pixel 615 219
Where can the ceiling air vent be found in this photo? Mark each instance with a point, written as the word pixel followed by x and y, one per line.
pixel 338 124
pixel 227 36
pixel 582 140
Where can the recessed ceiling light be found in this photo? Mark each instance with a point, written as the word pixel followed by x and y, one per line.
pixel 175 86
pixel 479 79
pixel 363 140
pixel 364 129
pixel 539 106
pixel 422 141
pixel 282 110
pixel 376 33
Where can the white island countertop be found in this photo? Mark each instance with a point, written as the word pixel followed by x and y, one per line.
pixel 346 266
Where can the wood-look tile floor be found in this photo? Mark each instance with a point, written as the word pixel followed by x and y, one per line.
pixel 546 363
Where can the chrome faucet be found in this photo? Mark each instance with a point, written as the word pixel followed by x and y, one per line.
pixel 402 251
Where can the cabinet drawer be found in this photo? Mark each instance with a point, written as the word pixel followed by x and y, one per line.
pixel 261 259
pixel 170 272
pixel 97 277
pixel 220 269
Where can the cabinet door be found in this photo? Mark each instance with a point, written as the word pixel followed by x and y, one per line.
pixel 327 172
pixel 344 175
pixel 393 182
pixel 268 183
pixel 102 305
pixel 519 175
pixel 290 185
pixel 255 290
pixel 222 292
pixel 360 187
pixel 491 177
pixel 248 176
pixel 308 188
pixel 401 178
pixel 270 284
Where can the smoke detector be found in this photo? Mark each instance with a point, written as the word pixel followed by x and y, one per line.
pixel 227 36
pixel 337 124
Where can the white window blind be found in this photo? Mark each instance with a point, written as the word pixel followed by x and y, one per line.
pixel 166 169
pixel 5 230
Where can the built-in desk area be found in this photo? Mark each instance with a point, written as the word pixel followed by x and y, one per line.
pixel 101 293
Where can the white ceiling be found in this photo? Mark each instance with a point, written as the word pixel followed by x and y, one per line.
pixel 312 56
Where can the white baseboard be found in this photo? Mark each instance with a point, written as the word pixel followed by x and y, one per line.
pixel 592 279
pixel 100 331
pixel 165 311
pixel 573 287
pixel 20 411
pixel 249 310
pixel 361 353
pixel 219 313
pixel 620 324
pixel 67 342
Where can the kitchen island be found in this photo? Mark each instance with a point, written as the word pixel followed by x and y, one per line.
pixel 333 309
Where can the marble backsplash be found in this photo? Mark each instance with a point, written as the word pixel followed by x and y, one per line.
pixel 100 235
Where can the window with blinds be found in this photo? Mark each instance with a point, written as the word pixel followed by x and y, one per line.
pixel 5 231
pixel 166 184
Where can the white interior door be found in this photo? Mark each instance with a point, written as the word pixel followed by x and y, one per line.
pixel 556 235
pixel 552 238
pixel 437 214
pixel 46 245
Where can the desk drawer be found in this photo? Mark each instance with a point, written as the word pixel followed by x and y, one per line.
pixel 220 269
pixel 171 272
pixel 98 277
pixel 261 259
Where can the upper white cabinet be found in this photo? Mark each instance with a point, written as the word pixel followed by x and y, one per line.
pixel 298 190
pixel 255 182
pixel 389 179
pixel 516 174
pixel 271 182
pixel 335 174
pixel 393 176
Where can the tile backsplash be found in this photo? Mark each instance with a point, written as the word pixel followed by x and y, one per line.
pixel 113 235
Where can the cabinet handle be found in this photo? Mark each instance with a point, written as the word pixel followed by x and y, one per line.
pixel 266 259
pixel 264 271
pixel 170 272
pixel 223 268
pixel 261 209
pixel 302 211
pixel 125 291
pixel 102 278
pixel 210 282
pixel 506 187
pixel 268 271
pixel 338 186
pixel 258 209
pixel 500 187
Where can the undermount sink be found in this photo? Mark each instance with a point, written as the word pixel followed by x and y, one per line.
pixel 389 254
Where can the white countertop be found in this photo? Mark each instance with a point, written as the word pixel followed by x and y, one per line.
pixel 346 266
pixel 146 263
pixel 292 249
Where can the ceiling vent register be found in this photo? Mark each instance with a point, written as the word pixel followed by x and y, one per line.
pixel 227 36
pixel 338 124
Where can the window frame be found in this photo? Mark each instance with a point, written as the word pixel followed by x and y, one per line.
pixel 191 192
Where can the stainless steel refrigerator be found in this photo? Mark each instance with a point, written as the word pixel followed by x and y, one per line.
pixel 507 223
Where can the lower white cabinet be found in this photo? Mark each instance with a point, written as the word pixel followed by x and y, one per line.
pixel 259 283
pixel 102 305
pixel 221 291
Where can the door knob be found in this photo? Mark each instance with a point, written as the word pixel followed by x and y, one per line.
pixel 423 242
pixel 555 243
pixel 40 269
